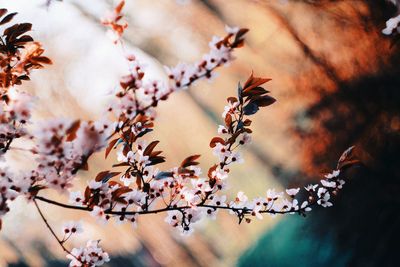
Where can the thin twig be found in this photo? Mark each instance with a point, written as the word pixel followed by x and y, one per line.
pixel 60 242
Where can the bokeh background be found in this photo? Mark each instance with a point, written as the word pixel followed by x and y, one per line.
pixel 336 79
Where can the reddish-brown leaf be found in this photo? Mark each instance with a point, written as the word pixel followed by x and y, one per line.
pixel 7 18
pixel 263 101
pixel 253 82
pixel 71 131
pixel 156 160
pixel 247 122
pixel 150 148
pixel 255 91
pixel 110 146
pixel 3 11
pixel 241 33
pixel 228 120
pixel 232 99
pixel 23 39
pixel 210 171
pixel 114 183
pixel 44 60
pixel 85 166
pixel 120 191
pixel 87 194
pixel 119 7
pixel 190 161
pixel 100 176
pixel 216 140
pixel 122 164
pixel 155 153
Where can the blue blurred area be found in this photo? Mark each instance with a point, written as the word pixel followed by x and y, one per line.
pixel 293 243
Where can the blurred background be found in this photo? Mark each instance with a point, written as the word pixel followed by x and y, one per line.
pixel 336 79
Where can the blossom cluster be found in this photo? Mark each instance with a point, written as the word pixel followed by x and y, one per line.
pixel 14 114
pixel 139 97
pixel 91 255
pixel 12 185
pixel 63 147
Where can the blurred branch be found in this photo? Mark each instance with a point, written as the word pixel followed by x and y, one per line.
pixel 324 65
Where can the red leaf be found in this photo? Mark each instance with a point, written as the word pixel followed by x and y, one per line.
pixel 263 101
pixel 228 120
pixel 150 148
pixel 253 82
pixel 120 191
pixel 87 194
pixel 71 131
pixel 85 166
pixel 23 39
pixel 255 91
pixel 3 11
pixel 216 140
pixel 101 175
pixel 247 122
pixel 119 7
pixel 232 99
pixel 7 18
pixel 110 146
pixel 121 164
pixel 105 175
pixel 210 171
pixel 190 161
pixel 44 60
pixel 241 33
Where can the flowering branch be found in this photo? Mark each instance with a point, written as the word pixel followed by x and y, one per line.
pixel 135 186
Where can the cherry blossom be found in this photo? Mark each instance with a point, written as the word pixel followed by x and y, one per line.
pixel 91 255
pixel 72 227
